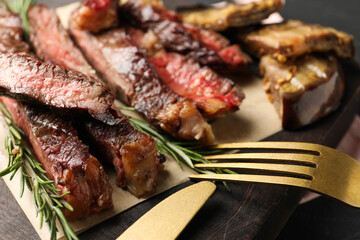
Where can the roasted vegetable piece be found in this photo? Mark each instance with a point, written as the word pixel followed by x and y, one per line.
pixel 223 15
pixel 294 38
pixel 303 90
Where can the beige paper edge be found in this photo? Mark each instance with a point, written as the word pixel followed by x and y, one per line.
pixel 256 120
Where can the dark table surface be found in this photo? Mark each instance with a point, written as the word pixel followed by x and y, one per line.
pixel 324 218
pixel 319 219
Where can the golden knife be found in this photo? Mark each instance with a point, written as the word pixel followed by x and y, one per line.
pixel 168 218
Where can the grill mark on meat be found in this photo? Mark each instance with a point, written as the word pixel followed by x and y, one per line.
pixel 52 42
pixel 213 94
pixel 132 152
pixel 294 38
pixel 232 55
pixel 11 32
pixel 25 77
pixel 65 158
pixel 171 32
pixel 124 67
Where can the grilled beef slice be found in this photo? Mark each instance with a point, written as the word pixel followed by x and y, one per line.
pixel 52 42
pixel 294 38
pixel 232 55
pixel 65 158
pixel 169 29
pixel 303 90
pixel 132 152
pixel 96 15
pixel 213 94
pixel 124 67
pixel 24 77
pixel 11 32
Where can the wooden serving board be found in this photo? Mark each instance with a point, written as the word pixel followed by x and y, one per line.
pixel 249 211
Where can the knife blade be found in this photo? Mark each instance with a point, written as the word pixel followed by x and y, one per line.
pixel 168 218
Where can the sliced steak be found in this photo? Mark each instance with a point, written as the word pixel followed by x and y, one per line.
pixel 65 158
pixel 303 90
pixel 213 94
pixel 96 15
pixel 226 14
pixel 294 38
pixel 232 55
pixel 133 153
pixel 52 42
pixel 24 77
pixel 124 67
pixel 11 32
pixel 169 29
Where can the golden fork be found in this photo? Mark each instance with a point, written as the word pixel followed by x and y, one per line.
pixel 315 167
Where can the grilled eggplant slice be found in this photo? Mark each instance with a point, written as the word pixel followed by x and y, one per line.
pixel 226 14
pixel 294 38
pixel 303 90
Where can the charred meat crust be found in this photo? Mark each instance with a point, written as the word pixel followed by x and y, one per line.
pixel 65 158
pixel 232 55
pixel 124 67
pixel 24 76
pixel 294 38
pixel 213 94
pixel 133 154
pixel 173 35
pixel 11 32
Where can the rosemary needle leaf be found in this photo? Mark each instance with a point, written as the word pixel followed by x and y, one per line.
pixel 38 167
pixel 65 224
pixel 5 171
pixel 53 228
pixel 127 108
pixel 14 172
pixel 18 129
pixel 68 206
pixel 42 207
pixel 58 203
pixel 59 196
pixel 14 132
pixel 41 181
pixel 7 120
pixel 41 218
pixel 5 111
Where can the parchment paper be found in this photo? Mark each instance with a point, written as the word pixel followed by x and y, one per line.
pixel 255 120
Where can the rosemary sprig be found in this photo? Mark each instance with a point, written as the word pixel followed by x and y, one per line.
pixel 186 152
pixel 48 201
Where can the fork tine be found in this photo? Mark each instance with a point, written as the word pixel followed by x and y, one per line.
pixel 279 168
pixel 293 157
pixel 291 181
pixel 270 145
